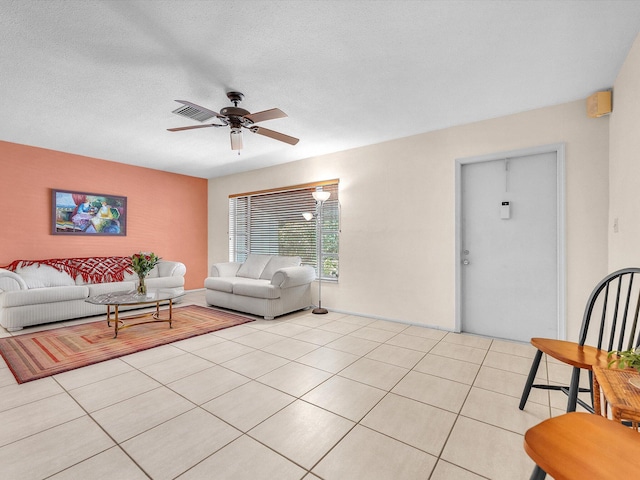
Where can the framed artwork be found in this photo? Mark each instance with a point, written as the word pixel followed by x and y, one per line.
pixel 82 213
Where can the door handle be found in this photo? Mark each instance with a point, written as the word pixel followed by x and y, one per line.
pixel 466 262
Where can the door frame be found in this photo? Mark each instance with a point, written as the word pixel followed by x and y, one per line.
pixel 559 150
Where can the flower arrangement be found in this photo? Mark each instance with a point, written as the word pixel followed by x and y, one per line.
pixel 142 263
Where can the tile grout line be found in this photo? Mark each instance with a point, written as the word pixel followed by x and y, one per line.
pixel 332 374
pixel 116 443
pixel 458 414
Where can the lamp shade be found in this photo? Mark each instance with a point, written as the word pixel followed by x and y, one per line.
pixel 321 195
pixel 307 216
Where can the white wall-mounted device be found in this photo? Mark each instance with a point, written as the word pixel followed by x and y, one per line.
pixel 505 211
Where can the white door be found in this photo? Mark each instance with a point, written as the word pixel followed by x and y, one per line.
pixel 509 243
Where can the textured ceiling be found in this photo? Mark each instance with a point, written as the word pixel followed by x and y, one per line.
pixel 99 78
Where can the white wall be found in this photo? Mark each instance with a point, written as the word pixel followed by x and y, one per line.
pixel 398 211
pixel 624 157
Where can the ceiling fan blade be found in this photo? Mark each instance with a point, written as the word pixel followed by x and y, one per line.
pixel 275 135
pixel 236 139
pixel 178 129
pixel 196 112
pixel 265 115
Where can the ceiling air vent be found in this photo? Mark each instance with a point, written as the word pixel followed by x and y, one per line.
pixel 194 113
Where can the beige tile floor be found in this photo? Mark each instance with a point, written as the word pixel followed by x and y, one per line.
pixel 333 397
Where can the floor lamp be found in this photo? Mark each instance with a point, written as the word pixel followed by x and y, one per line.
pixel 320 196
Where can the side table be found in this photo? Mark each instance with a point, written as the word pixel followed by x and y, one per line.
pixel 618 393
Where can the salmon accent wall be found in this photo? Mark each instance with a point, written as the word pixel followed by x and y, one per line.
pixel 166 212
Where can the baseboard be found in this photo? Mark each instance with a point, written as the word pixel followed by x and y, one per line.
pixel 387 319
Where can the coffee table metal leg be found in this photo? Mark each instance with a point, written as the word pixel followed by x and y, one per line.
pixel 170 313
pixel 108 315
pixel 116 321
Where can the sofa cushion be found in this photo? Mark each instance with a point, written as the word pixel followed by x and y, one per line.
pixel 100 288
pixel 221 284
pixel 36 296
pixel 256 288
pixel 253 266
pixel 276 263
pixel 225 269
pixel 41 276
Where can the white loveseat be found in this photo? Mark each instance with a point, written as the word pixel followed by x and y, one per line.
pixel 265 285
pixel 40 293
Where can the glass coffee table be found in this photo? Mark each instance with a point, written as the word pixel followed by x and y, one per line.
pixel 119 299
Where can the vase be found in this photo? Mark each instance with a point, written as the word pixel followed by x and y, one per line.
pixel 142 288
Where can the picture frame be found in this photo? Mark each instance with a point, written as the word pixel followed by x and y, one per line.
pixel 84 213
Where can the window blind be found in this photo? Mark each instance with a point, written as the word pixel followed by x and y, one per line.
pixel 271 223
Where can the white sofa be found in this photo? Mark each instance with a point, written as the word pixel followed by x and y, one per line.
pixel 265 285
pixel 39 293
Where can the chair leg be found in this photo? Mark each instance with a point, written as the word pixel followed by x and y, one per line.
pixel 532 375
pixel 573 390
pixel 591 387
pixel 538 474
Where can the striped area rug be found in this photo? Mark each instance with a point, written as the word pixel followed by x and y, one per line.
pixel 40 354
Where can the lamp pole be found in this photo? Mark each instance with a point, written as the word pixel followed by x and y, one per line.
pixel 320 197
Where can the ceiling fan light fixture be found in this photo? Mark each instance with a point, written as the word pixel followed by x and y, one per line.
pixel 236 138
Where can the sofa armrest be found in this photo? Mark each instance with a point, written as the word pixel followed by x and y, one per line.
pixel 167 268
pixel 10 281
pixel 293 276
pixel 225 269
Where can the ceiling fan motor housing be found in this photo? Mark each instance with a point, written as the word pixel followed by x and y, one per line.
pixel 235 115
pixel 234 112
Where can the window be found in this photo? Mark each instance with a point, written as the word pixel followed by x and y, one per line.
pixel 271 222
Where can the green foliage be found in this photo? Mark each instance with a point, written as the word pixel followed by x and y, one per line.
pixel 625 359
pixel 330 267
pixel 142 263
pixel 296 240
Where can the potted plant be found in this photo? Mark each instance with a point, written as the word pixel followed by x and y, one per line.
pixel 625 359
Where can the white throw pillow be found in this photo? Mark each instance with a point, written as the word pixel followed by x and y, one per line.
pixel 253 266
pixel 41 276
pixel 276 263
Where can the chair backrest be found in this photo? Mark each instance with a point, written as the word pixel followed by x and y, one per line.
pixel 613 308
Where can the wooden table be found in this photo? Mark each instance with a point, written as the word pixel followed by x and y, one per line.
pixel 619 394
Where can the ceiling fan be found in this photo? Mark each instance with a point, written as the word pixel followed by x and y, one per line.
pixel 235 117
